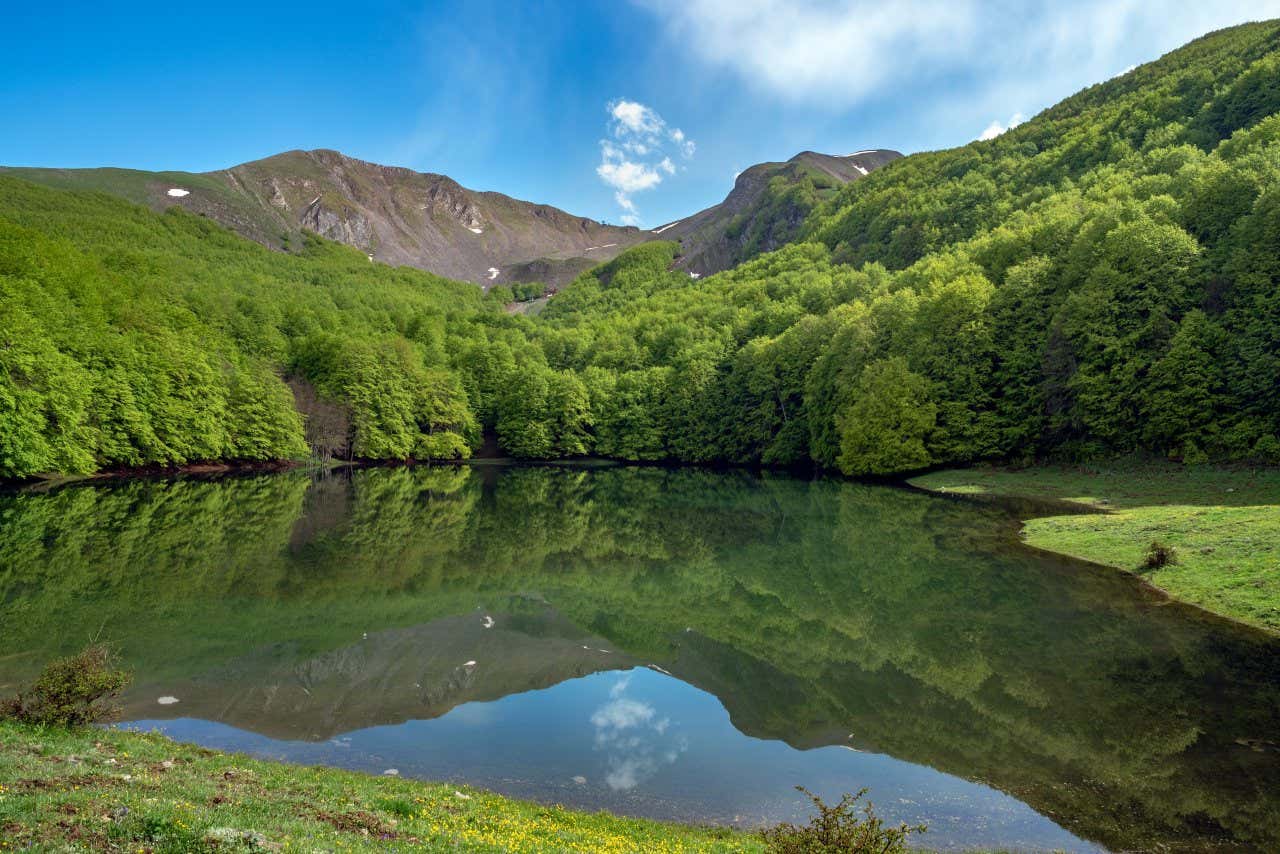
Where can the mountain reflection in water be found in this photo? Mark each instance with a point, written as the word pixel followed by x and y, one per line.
pixel 514 627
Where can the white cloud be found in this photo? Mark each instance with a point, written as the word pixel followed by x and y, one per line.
pixel 634 739
pixel 621 713
pixel 687 146
pixel 995 129
pixel 620 687
pixel 626 773
pixel 815 49
pixel 635 118
pixel 628 176
pixel 634 157
pixel 630 216
pixel 835 53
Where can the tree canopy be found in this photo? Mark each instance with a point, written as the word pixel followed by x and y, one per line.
pixel 1101 280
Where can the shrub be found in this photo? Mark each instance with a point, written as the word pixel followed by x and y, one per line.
pixel 528 291
pixel 839 828
pixel 1158 556
pixel 1192 455
pixel 1267 449
pixel 71 691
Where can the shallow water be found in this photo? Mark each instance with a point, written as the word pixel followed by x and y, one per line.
pixel 669 643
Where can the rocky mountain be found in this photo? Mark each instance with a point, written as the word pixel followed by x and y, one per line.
pixel 429 221
pixel 396 215
pixel 766 208
pixel 386 678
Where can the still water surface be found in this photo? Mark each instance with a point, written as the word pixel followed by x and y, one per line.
pixel 677 644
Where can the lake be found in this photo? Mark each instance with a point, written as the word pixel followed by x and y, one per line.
pixel 670 643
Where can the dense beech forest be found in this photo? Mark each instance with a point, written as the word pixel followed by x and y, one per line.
pixel 1101 280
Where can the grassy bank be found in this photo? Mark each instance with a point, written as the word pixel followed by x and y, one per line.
pixel 102 790
pixel 1223 522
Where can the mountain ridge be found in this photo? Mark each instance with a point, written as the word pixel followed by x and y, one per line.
pixel 428 220
pixel 766 208
pixel 392 213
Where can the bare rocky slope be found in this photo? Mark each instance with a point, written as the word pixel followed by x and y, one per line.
pixel 429 221
pixel 396 215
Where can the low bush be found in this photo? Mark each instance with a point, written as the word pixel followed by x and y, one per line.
pixel 1158 556
pixel 72 691
pixel 840 828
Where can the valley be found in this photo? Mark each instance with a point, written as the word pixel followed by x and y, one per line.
pixel 949 476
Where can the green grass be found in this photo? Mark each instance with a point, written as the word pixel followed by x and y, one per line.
pixel 1224 523
pixel 101 790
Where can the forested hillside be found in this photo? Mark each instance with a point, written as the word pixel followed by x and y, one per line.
pixel 1103 279
pixel 766 209
pixel 129 338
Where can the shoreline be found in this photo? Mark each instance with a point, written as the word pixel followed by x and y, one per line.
pixel 103 788
pixel 1112 511
pixel 1227 536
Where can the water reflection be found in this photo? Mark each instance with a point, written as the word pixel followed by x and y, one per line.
pixel 542 744
pixel 634 738
pixel 822 615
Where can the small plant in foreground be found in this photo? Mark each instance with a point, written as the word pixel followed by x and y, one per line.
pixel 1158 556
pixel 399 807
pixel 840 828
pixel 71 691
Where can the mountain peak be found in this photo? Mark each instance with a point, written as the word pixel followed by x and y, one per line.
pixel 766 208
pixel 400 216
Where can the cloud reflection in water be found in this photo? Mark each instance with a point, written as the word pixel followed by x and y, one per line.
pixel 636 740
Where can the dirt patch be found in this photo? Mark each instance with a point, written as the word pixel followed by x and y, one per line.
pixel 78 833
pixel 358 821
pixel 57 783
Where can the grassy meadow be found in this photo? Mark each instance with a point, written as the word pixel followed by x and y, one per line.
pixel 90 789
pixel 1223 523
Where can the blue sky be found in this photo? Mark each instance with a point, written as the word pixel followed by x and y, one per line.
pixel 576 104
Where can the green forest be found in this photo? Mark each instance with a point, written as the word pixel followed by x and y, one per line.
pixel 1101 280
